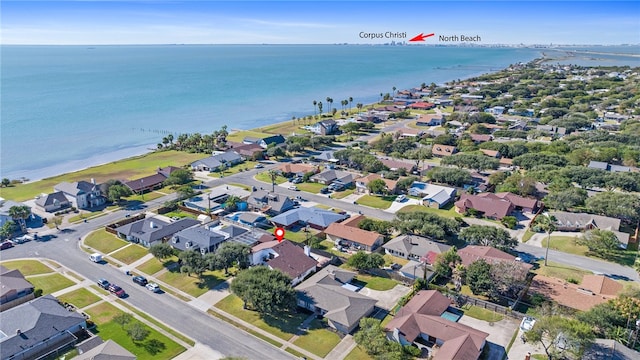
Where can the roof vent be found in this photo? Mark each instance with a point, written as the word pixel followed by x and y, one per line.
pixel 18 332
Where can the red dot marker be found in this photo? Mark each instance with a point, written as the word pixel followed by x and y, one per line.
pixel 279 233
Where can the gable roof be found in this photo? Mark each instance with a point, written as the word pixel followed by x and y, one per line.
pixel 472 253
pixel 145 182
pixel 37 320
pixel 75 188
pixel 153 229
pixel 6 205
pixel 583 220
pixel 491 206
pixel 390 184
pixel 426 302
pixel 168 170
pixel 109 350
pixel 325 291
pixel 415 245
pixel 52 199
pixel 567 294
pixel 481 137
pixel 516 200
pixel 437 193
pixel 397 164
pixel 295 168
pixel 354 234
pixel 443 150
pixel 12 281
pixel 313 216
pixel 196 238
pixel 291 259
pixel 601 284
pixel 492 153
pixel 262 198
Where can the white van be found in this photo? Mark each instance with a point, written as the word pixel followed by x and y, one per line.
pixel 96 257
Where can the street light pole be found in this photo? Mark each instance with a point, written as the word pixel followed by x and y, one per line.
pixel 548 229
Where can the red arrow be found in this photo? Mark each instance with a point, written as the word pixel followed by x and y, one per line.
pixel 421 37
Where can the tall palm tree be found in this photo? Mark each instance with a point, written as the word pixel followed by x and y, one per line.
pixel 232 203
pixel 320 107
pixel 546 223
pixel 273 175
pixel 170 138
pixel 394 91
pixel 20 214
pixel 330 102
pixel 359 106
pixel 315 103
pixel 350 102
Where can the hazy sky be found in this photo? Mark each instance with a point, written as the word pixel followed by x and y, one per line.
pixel 315 22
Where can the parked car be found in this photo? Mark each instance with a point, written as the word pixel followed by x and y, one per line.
pixel 153 287
pixel 297 180
pixel 293 187
pixel 324 190
pixel 140 280
pixel 395 266
pixel 103 283
pixel 6 245
pixel 401 198
pixel 258 166
pixel 21 239
pixel 117 290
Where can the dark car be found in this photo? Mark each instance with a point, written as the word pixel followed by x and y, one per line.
pixel 324 190
pixel 115 289
pixel 140 280
pixel 103 283
pixel 6 245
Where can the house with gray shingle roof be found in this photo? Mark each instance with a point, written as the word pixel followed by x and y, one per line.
pixel 108 350
pixel 198 239
pixel 330 294
pixel 413 247
pixel 14 288
pixel 214 162
pixel 435 196
pixel 37 328
pixel 86 194
pixel 566 221
pixel 148 231
pixel 314 217
pixel 269 203
pixel 53 202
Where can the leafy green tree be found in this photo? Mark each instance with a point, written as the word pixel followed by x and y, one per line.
pixel 479 277
pixel 117 191
pixel 425 224
pixel 161 251
pixel 566 199
pixel 363 261
pixel 264 290
pixel 377 186
pixel 614 204
pixel 488 236
pixel 446 262
pixel 276 151
pixel 179 177
pixel 122 319
pixel 6 182
pixel 450 176
pixel 576 336
pixel 405 183
pixel 185 192
pixel 231 204
pixel 471 161
pixel 154 346
pixel 20 214
pixel 509 278
pixel 192 263
pixel 7 229
pixel 137 332
pixel 531 160
pixel 57 221
pixel 599 241
pixel 230 254
pixel 510 222
pixel 518 184
pixel 605 319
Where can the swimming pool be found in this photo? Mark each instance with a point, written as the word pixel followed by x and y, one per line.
pixel 451 315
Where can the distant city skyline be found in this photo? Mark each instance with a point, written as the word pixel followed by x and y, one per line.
pixel 317 22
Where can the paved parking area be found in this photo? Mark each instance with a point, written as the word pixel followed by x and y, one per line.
pixel 500 332
pixel 386 299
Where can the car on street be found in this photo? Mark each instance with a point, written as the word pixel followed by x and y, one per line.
pixel 293 187
pixel 324 190
pixel 153 287
pixel 103 283
pixel 140 280
pixel 117 290
pixel 6 245
pixel 258 166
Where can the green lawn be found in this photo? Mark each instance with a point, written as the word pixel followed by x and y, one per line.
pixel 131 168
pixel 565 244
pixel 130 253
pixel 358 353
pixel 102 314
pixel 448 211
pixel 88 216
pixel 568 244
pixel 482 314
pixel 154 265
pixel 80 297
pixel 245 166
pixel 299 236
pixel 297 354
pixel 390 259
pixel 264 177
pixel 50 283
pixel 180 214
pixel 28 267
pixel 560 271
pixel 145 197
pixel 528 234
pixel 376 282
pixel 191 284
pixel 157 323
pixel 378 202
pixel 342 194
pixel 285 128
pixel 104 242
pixel 284 327
pixel 238 136
pixel 310 187
pixel 318 339
pixel 328 245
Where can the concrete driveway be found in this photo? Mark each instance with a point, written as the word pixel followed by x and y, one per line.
pixel 386 299
pixel 397 205
pixel 500 332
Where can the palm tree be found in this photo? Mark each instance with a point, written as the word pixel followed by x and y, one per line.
pixel 315 103
pixel 320 107
pixel 381 97
pixel 546 223
pixel 170 138
pixel 20 214
pixel 458 276
pixel 394 91
pixel 273 175
pixel 359 106
pixel 330 102
pixel 350 102
pixel 232 203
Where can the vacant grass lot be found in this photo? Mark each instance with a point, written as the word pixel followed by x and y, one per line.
pixel 378 202
pixel 264 177
pixel 358 353
pixel 310 187
pixel 318 339
pixel 568 244
pixel 191 284
pixel 154 265
pixel 481 314
pixel 130 253
pixel 565 244
pixel 102 315
pixel 560 271
pixel 104 242
pixel 285 128
pixel 50 283
pixel 448 211
pixel 80 297
pixel 27 267
pixel 284 327
pixel 130 168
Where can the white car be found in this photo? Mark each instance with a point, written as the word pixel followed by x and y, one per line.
pixel 527 323
pixel 293 187
pixel 400 198
pixel 153 287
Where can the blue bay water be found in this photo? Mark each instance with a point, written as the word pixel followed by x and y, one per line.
pixel 68 107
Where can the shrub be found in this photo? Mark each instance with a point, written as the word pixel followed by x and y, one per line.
pixel 37 292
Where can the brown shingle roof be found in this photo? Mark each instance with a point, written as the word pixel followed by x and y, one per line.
pixel 491 206
pixel 443 150
pixel 472 253
pixel 391 184
pixel 567 294
pixel 296 168
pixel 601 284
pixel 291 259
pixel 352 234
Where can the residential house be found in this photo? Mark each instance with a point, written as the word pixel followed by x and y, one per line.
pixel 14 288
pixel 303 216
pixel 443 150
pixel 496 110
pixel 609 349
pixel 324 127
pixel 611 116
pixel 593 290
pixel 215 162
pixel 472 253
pixel 327 157
pixel 566 221
pixel 608 167
pixel 167 170
pixel 430 120
pixel 38 328
pixel 480 138
pixel 348 234
pixel 421 105
pixel 5 206
pixel 327 177
pixel 197 239
pixel 414 247
pixel 212 201
pixel 362 182
pixel 268 203
pixel 108 350
pixel 422 320
pixel 148 231
pixel 521 125
pixel 289 170
pixel 252 219
pixel 85 194
pixel 53 202
pixel 285 256
pixel 264 142
pixel 434 196
pixel 330 294
pixel 491 153
pixel 147 183
pixel 552 130
pixel 394 165
pixel 247 151
pixel 495 206
pixel 520 203
pixel 409 133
